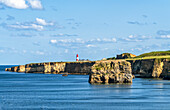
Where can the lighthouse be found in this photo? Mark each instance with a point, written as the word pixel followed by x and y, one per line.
pixel 77 57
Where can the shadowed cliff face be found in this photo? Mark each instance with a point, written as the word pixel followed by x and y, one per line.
pixel 79 67
pixel 166 69
pixel 151 68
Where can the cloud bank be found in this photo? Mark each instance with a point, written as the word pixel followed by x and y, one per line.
pixel 22 4
pixel 135 38
pixel 76 43
pixel 38 25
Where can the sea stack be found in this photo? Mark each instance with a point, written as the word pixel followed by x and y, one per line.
pixel 111 72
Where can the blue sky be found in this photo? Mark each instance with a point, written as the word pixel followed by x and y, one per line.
pixel 56 30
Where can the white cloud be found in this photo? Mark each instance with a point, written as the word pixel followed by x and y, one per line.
pixel 132 36
pixel 135 38
pixel 109 40
pixel 76 43
pixel 19 4
pixel 36 4
pixel 37 25
pixel 104 40
pixel 53 41
pixel 43 22
pixel 89 45
pixel 165 36
pixel 28 26
pixel 78 40
pixel 63 35
pixel 22 4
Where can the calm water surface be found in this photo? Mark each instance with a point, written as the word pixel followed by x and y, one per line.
pixel 50 92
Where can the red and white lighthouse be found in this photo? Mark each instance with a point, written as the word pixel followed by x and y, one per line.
pixel 77 57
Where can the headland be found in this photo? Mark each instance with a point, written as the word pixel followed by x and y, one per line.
pixel 110 70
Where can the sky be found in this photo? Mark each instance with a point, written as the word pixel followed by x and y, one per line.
pixel 56 30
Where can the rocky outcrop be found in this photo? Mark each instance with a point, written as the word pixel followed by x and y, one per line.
pixel 7 69
pixel 125 55
pixel 151 68
pixel 111 72
pixel 20 68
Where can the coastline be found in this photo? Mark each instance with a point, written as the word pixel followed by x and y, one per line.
pixel 146 68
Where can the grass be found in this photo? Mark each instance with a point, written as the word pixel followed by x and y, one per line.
pixel 156 53
pixel 149 57
pixel 152 55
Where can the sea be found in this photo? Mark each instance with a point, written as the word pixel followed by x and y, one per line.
pixel 20 91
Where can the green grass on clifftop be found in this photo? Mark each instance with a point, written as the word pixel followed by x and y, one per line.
pixel 156 53
pixel 153 55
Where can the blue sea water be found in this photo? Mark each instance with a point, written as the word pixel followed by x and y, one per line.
pixel 19 91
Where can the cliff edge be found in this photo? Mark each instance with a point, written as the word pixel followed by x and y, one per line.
pixel 111 71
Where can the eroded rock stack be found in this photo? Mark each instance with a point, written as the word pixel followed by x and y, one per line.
pixel 111 72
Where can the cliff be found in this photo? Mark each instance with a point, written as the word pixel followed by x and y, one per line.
pixel 145 68
pixel 55 67
pixel 111 72
pixel 151 68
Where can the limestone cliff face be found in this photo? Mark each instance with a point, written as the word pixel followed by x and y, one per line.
pixel 111 72
pixel 20 68
pixel 151 68
pixel 55 67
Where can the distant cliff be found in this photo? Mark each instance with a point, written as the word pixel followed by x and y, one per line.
pixel 55 67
